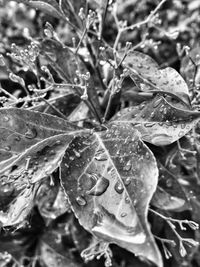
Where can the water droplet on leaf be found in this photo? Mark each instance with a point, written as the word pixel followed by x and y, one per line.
pixel 119 187
pixel 31 133
pixel 100 187
pixel 81 201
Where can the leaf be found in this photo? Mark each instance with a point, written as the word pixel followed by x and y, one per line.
pixel 71 8
pixel 21 129
pixel 51 205
pixel 51 7
pixel 53 248
pixel 147 74
pixel 66 64
pixel 188 65
pixel 34 164
pixel 66 104
pixel 169 194
pixel 41 159
pixel 61 58
pixel 50 258
pixel 20 207
pixel 110 186
pixel 158 121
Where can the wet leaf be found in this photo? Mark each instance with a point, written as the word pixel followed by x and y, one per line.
pixel 51 7
pixel 189 67
pixel 169 194
pixel 158 121
pixel 40 160
pixel 50 258
pixel 110 181
pixel 66 104
pixel 71 9
pixel 21 129
pixel 66 64
pixel 51 205
pixel 20 207
pixel 148 76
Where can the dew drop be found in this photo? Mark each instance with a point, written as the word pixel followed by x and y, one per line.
pixel 127 200
pixel 17 138
pixel 149 124
pixel 130 229
pixel 6 119
pixel 119 187
pixel 77 154
pixel 128 166
pixel 7 148
pixel 123 214
pixel 81 201
pixel 31 133
pixel 183 125
pixel 102 157
pixel 127 181
pixel 100 187
pixel 71 158
pixel 169 183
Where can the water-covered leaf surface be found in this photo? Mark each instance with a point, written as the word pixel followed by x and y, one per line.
pixel 158 121
pixel 21 129
pixel 169 194
pixel 148 76
pixel 109 178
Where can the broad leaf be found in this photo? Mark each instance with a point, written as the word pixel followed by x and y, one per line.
pixel 51 7
pixel 53 248
pixel 71 9
pixel 21 129
pixel 20 207
pixel 110 184
pixel 169 194
pixel 159 122
pixel 40 160
pixel 148 76
pixel 65 63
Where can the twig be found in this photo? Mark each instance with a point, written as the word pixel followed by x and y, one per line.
pixel 136 25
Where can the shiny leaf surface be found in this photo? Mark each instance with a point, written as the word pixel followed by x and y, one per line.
pixel 158 121
pixel 21 129
pixel 110 181
pixel 148 76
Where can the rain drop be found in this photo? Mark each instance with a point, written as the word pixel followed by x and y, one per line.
pixel 149 124
pixel 81 201
pixel 169 183
pixel 127 200
pixel 17 138
pixel 119 187
pixel 127 181
pixel 128 166
pixel 7 148
pixel 100 187
pixel 77 154
pixel 102 157
pixel 123 214
pixel 6 119
pixel 31 133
